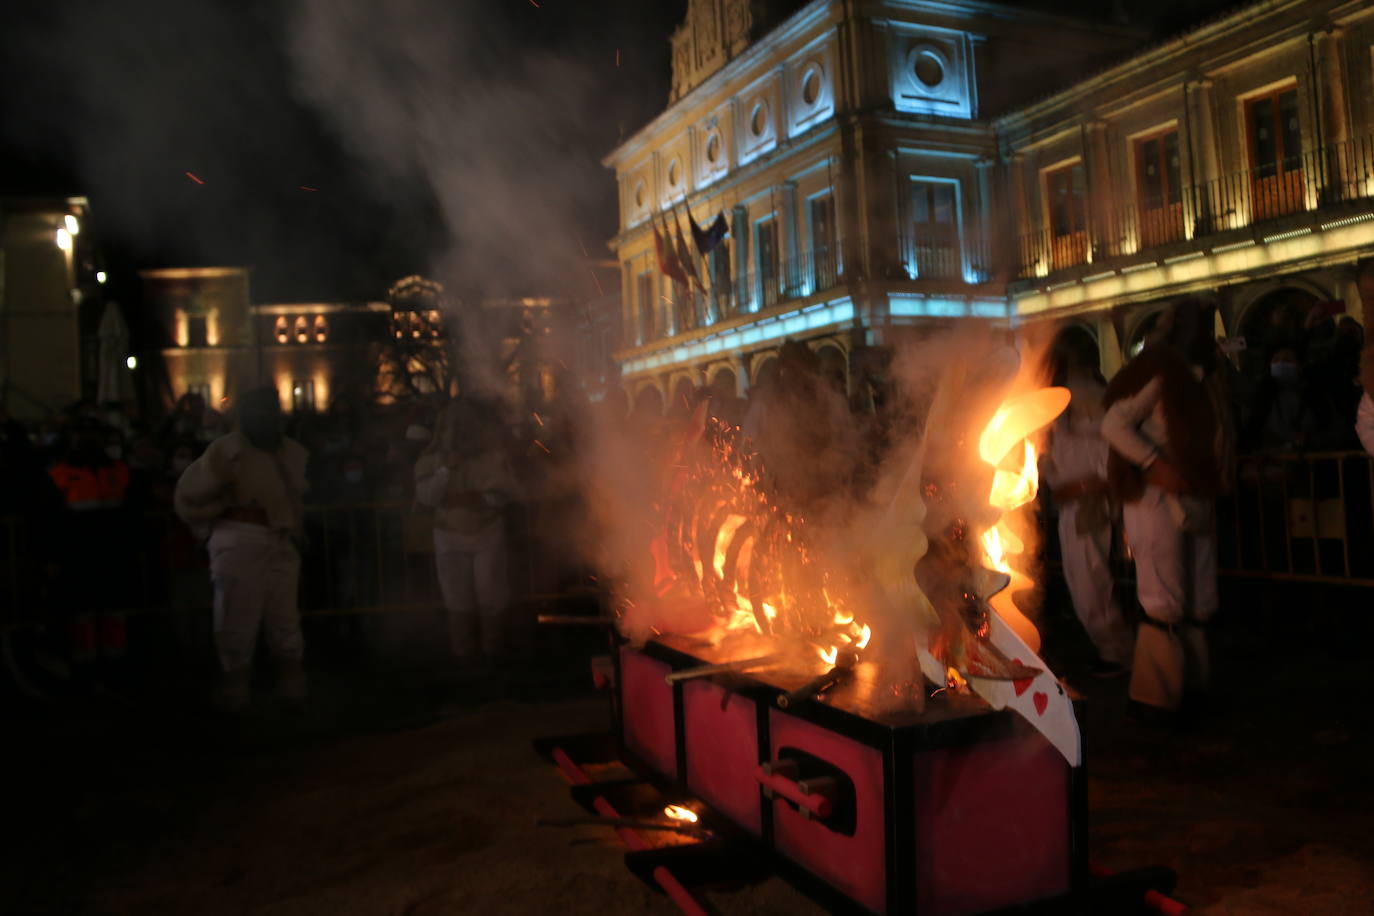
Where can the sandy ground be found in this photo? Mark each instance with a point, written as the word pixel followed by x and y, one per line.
pixel 398 796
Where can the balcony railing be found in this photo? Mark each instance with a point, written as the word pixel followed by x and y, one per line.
pixel 811 272
pixel 1320 178
pixel 938 252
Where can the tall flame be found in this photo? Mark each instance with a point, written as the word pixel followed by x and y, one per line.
pixel 1015 421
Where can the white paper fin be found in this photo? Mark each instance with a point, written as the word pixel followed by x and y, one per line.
pixel 1054 718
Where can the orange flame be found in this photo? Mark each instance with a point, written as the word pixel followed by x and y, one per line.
pixel 1015 421
pixel 679 813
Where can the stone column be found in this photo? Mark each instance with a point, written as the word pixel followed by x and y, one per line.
pixel 1205 189
pixel 1106 223
pixel 979 243
pixel 1338 182
pixel 792 269
pixel 739 231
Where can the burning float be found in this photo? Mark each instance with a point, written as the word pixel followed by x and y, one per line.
pixel 860 700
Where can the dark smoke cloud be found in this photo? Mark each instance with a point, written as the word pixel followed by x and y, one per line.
pixel 464 134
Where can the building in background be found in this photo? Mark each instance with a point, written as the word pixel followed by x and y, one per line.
pixel 903 163
pixel 215 343
pixel 51 305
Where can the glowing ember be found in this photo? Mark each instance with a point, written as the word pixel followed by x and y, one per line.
pixel 679 813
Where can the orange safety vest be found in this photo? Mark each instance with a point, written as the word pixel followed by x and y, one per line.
pixel 91 488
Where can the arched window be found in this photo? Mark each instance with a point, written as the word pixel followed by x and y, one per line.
pixel 282 330
pixel 321 329
pixel 302 330
pixel 436 322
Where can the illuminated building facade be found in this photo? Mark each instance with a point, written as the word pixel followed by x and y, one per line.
pixel 216 344
pixel 50 305
pixel 1235 162
pixel 898 163
pixel 847 148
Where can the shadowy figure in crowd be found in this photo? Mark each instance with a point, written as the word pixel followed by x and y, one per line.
pixel 1166 429
pixel 246 492
pixel 95 559
pixel 1289 414
pixel 1075 468
pixel 803 430
pixel 465 475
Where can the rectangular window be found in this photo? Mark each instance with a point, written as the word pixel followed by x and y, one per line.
pixel 197 332
pixel 935 229
pixel 1275 139
pixel 647 303
pixel 1158 196
pixel 824 244
pixel 722 280
pixel 1067 195
pixel 766 261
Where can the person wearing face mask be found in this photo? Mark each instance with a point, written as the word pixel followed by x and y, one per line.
pixel 464 474
pixel 1166 426
pixel 246 490
pixel 1289 415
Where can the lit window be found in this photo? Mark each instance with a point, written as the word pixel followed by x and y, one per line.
pixel 436 322
pixel 321 329
pixel 282 330
pixel 303 395
pixel 302 329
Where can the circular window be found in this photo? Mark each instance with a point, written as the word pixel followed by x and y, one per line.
pixel 672 173
pixel 929 69
pixel 639 194
pixel 759 119
pixel 713 148
pixel 811 86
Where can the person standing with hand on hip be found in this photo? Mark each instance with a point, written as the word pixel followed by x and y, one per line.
pixel 246 490
pixel 1168 436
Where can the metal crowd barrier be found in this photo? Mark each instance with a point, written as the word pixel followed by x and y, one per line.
pixel 1300 516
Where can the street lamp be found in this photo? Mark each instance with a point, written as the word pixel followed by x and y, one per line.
pixel 72 223
pixel 131 362
pixel 64 240
pixel 100 276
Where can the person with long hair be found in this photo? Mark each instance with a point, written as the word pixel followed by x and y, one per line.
pixel 1169 438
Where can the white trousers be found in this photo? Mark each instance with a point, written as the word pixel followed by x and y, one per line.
pixel 256 573
pixel 1176 581
pixel 1087 571
pixel 475 589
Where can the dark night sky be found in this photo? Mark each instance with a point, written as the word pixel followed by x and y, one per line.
pixel 119 100
pixel 457 137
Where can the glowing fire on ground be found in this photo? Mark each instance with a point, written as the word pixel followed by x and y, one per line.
pixel 679 813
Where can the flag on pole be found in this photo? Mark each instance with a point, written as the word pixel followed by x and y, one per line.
pixel 667 260
pixel 708 239
pixel 684 254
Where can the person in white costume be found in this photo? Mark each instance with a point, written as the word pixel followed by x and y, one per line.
pixel 464 475
pixel 1075 468
pixel 246 491
pixel 1165 429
